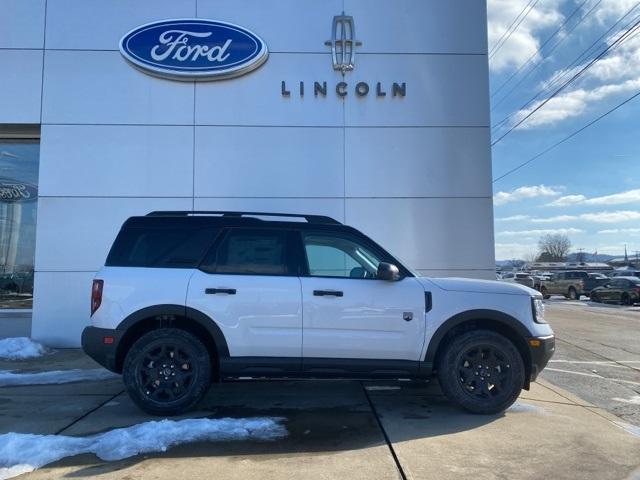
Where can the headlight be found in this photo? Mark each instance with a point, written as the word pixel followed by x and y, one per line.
pixel 537 307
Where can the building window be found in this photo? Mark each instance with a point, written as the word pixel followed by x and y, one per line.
pixel 19 159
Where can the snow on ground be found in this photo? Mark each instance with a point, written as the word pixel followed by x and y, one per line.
pixel 8 378
pixel 21 452
pixel 521 407
pixel 18 348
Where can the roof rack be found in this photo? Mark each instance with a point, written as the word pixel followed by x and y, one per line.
pixel 319 219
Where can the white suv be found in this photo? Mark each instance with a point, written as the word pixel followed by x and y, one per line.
pixel 188 298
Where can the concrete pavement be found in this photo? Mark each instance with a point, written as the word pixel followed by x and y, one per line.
pixel 337 430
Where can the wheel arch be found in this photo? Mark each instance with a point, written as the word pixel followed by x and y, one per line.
pixel 174 316
pixel 494 320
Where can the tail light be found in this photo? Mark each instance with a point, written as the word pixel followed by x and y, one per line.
pixel 96 295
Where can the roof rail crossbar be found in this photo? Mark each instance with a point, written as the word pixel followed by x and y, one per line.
pixel 322 219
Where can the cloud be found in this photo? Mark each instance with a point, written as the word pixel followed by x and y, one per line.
pixel 540 232
pixel 629 196
pixel 514 250
pixel 596 217
pixel 523 42
pixel 613 75
pixel 619 231
pixel 611 217
pixel 567 200
pixel 521 193
pixel 513 218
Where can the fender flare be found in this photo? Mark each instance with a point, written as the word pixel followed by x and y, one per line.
pixel 470 315
pixel 192 314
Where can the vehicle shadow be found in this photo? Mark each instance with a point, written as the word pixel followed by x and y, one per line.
pixel 320 417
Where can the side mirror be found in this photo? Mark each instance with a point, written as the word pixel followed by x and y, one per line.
pixel 388 271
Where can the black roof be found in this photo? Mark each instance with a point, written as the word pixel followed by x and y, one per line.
pixel 196 219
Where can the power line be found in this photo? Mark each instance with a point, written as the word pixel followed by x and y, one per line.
pixel 571 80
pixel 544 44
pixel 569 137
pixel 510 31
pixel 540 63
pixel 509 27
pixel 567 69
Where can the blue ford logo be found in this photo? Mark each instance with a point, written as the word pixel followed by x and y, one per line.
pixel 193 49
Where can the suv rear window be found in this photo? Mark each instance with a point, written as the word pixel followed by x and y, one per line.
pixel 160 247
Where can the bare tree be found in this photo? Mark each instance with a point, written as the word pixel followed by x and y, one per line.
pixel 530 257
pixel 554 248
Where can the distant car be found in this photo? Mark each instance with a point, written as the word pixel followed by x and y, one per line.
pixel 625 273
pixel 520 278
pixel 571 284
pixel 595 280
pixel 624 290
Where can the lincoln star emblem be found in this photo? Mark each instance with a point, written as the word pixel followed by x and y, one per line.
pixel 343 43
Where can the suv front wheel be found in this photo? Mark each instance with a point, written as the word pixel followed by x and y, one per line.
pixel 167 371
pixel 481 371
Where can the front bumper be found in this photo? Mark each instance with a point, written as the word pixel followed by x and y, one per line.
pixel 101 344
pixel 541 350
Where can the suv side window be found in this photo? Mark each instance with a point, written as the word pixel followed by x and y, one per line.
pixel 254 252
pixel 339 255
pixel 560 276
pixel 160 247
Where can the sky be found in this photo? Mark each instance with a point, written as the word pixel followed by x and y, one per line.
pixel 588 187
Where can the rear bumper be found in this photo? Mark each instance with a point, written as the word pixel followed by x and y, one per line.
pixel 93 344
pixel 541 350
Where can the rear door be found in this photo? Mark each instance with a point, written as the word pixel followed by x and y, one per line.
pixel 348 313
pixel 250 287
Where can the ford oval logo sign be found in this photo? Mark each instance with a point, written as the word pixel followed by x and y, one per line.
pixel 193 49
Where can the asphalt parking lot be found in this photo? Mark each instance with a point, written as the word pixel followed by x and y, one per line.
pixel 598 354
pixel 563 428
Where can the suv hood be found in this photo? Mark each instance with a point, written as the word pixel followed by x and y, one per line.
pixel 478 286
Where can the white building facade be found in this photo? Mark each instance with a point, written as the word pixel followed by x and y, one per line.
pixel 398 146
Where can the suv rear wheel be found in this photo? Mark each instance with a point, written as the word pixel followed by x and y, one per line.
pixel 573 294
pixel 481 371
pixel 167 371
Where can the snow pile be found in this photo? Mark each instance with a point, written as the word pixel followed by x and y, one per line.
pixel 19 348
pixel 521 407
pixel 54 377
pixel 21 452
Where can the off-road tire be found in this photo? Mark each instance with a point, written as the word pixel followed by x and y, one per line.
pixel 189 366
pixel 545 293
pixel 573 294
pixel 472 392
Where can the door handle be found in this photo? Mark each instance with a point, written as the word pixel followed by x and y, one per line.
pixel 213 291
pixel 328 293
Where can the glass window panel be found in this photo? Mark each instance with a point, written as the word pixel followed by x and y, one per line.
pixel 255 251
pixel 19 161
pixel 339 256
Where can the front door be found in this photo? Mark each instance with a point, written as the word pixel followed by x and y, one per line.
pixel 348 313
pixel 251 289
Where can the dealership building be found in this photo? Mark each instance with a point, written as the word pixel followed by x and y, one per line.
pixel 372 112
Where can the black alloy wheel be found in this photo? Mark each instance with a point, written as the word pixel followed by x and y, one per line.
pixel 481 371
pixel 626 299
pixel 167 371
